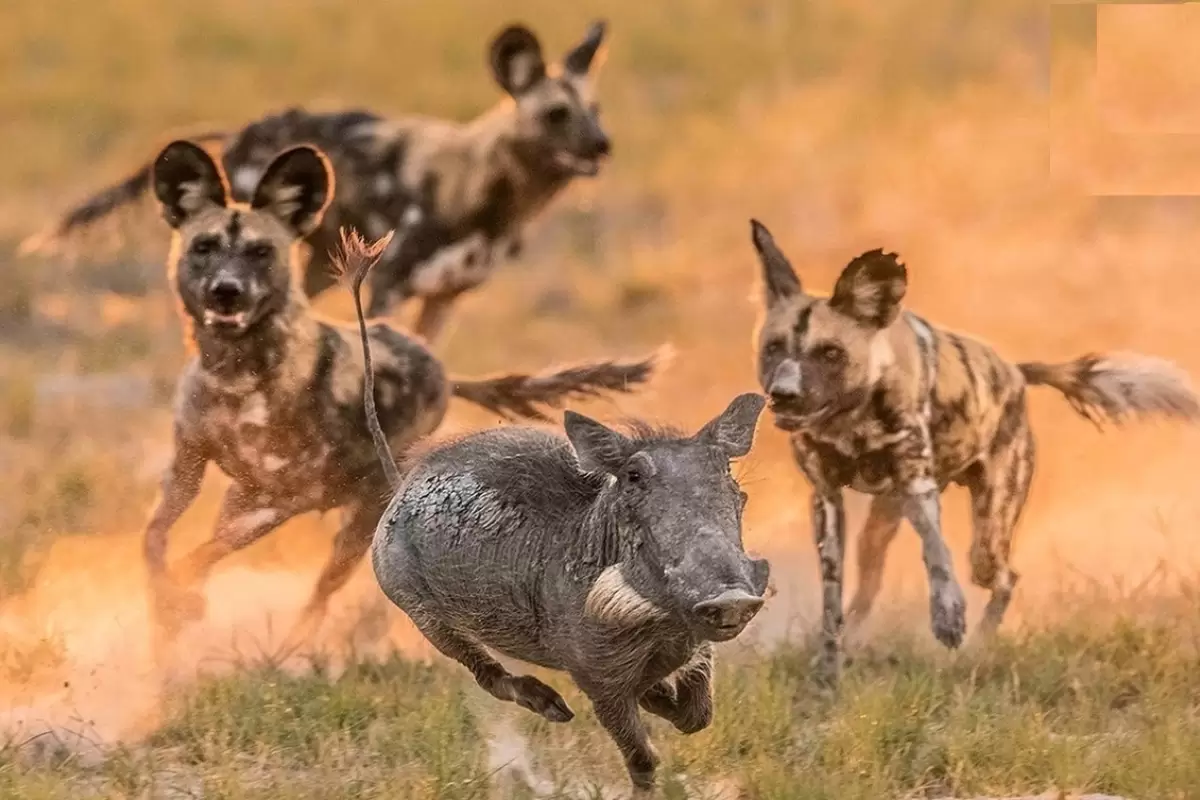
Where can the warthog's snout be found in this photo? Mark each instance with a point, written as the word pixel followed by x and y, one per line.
pixel 729 612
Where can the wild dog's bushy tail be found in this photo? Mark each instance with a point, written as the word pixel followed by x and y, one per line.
pixel 518 396
pixel 1115 387
pixel 353 261
pixel 101 204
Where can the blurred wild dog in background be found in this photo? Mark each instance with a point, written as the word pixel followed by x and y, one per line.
pixel 459 193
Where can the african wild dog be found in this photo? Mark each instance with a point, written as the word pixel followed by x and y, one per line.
pixel 617 558
pixel 274 395
pixel 881 401
pixel 461 193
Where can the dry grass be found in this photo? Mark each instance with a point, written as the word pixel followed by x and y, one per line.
pixel 972 138
pixel 1107 709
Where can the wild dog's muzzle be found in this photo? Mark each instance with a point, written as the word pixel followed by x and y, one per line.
pixel 786 391
pixel 227 303
pixel 585 160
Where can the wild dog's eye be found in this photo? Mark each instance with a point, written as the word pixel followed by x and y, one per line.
pixel 830 354
pixel 204 245
pixel 774 349
pixel 260 251
pixel 557 115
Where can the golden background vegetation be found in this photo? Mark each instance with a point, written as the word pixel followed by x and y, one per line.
pixel 1036 168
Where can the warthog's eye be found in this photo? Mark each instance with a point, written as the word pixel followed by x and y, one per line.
pixel 260 251
pixel 633 475
pixel 556 116
pixel 204 245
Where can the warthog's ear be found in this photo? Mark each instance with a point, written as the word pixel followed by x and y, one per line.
pixel 186 180
pixel 597 447
pixel 578 59
pixel 516 59
pixel 733 430
pixel 779 279
pixel 296 188
pixel 870 289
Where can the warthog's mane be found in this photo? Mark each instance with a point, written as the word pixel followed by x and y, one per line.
pixel 533 465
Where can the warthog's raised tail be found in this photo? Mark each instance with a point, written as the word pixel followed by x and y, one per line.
pixel 1116 387
pixel 353 261
pixel 104 202
pixel 518 396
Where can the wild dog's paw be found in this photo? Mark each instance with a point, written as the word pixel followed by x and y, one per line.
pixel 948 613
pixel 176 606
pixel 541 699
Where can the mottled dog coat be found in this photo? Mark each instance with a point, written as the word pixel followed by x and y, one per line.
pixel 274 395
pixel 881 401
pixel 460 194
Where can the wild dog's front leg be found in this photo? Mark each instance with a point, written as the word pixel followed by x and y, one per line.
pixel 947 606
pixel 686 698
pixel 434 314
pixel 245 517
pixel 352 542
pixel 829 530
pixel 883 522
pixel 179 487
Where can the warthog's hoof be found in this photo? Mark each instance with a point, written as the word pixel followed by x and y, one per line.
pixel 541 699
pixel 948 612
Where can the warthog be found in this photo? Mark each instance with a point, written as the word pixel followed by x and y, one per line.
pixel 614 556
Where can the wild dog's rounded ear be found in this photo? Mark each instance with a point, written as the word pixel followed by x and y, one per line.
pixel 598 448
pixel 579 58
pixel 870 289
pixel 296 188
pixel 733 429
pixel 516 60
pixel 186 179
pixel 779 279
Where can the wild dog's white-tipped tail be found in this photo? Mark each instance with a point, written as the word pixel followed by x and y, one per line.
pixel 1118 386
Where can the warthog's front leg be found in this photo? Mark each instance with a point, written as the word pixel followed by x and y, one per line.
pixel 947 606
pixel 524 690
pixel 685 699
pixel 619 716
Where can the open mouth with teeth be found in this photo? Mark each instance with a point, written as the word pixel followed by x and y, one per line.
pixel 580 165
pixel 792 420
pixel 237 320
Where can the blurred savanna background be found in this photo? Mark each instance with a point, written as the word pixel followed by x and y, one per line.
pixel 1037 168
